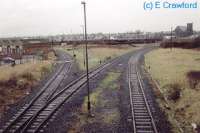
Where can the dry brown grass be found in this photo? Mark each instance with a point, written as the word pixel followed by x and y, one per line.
pixel 171 67
pixel 17 81
pixel 97 53
pixel 33 67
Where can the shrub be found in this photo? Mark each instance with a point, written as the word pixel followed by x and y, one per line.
pixel 12 82
pixel 175 92
pixel 2 92
pixel 108 58
pixel 23 86
pixel 28 75
pixel 2 83
pixel 193 78
pixel 182 43
pixel 198 128
pixel 2 101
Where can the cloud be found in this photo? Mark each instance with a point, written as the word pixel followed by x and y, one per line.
pixel 35 17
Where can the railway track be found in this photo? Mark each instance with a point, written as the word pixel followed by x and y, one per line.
pixel 26 112
pixel 37 119
pixel 142 118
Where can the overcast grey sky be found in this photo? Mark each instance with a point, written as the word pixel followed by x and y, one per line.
pixel 47 17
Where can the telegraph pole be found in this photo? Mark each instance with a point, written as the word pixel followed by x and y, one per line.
pixel 82 26
pixel 86 54
pixel 171 39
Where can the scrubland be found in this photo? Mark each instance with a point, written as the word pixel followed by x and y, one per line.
pixel 170 67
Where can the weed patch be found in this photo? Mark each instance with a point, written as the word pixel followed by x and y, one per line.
pixel 193 78
pixel 104 103
pixel 174 92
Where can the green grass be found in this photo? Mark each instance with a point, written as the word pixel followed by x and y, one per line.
pixel 169 67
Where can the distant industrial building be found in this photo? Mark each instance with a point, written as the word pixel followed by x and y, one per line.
pixel 11 48
pixel 184 31
pixel 17 48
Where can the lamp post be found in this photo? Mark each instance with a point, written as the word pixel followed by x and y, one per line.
pixel 171 39
pixel 86 54
pixel 82 26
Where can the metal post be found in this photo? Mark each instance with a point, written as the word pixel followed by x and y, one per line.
pixel 171 39
pixel 82 26
pixel 52 43
pixel 86 54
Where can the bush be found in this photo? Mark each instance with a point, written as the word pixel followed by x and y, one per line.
pixel 175 92
pixel 24 86
pixel 10 83
pixel 2 92
pixel 108 58
pixel 182 43
pixel 29 76
pixel 198 128
pixel 193 78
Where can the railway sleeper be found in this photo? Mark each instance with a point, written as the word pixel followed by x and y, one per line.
pixel 137 99
pixel 34 109
pixel 143 122
pixel 139 106
pixel 147 127
pixel 34 126
pixel 41 131
pixel 42 116
pixel 137 94
pixel 30 131
pixel 138 102
pixel 143 117
pixel 141 113
pixel 145 131
pixel 49 109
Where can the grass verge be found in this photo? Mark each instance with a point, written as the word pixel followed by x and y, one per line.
pixel 169 69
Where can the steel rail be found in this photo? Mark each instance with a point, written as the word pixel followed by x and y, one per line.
pixel 14 121
pixel 130 94
pixel 145 99
pixel 92 74
pixel 140 109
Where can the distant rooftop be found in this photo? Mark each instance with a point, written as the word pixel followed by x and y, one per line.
pixel 182 28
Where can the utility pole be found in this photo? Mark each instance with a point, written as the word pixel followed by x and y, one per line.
pixel 171 39
pixel 82 26
pixel 86 54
